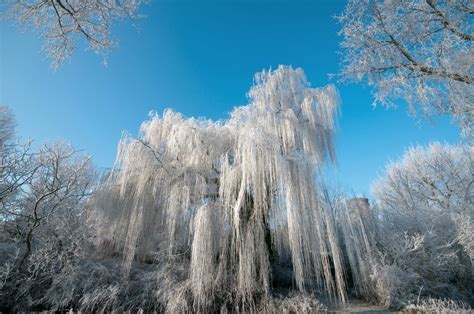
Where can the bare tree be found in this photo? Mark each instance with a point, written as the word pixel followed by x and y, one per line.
pixel 436 178
pixel 34 186
pixel 419 51
pixel 42 197
pixel 62 22
pixel 7 128
pixel 61 181
pixel 16 165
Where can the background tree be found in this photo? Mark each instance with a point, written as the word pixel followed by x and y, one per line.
pixel 63 22
pixel 420 51
pixel 7 127
pixel 60 182
pixel 16 165
pixel 42 196
pixel 425 202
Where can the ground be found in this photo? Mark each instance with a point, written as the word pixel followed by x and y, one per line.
pixel 358 306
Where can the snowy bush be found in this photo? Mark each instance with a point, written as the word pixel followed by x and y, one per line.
pixel 437 306
pixel 292 304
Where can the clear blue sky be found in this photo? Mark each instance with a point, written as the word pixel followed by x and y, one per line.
pixel 199 58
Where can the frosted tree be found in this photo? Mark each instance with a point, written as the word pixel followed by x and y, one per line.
pixel 42 198
pixel 418 51
pixel 426 205
pixel 61 180
pixel 62 22
pixel 231 200
pixel 16 165
pixel 7 127
pixel 37 185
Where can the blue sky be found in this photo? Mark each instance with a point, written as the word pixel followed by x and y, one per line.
pixel 199 58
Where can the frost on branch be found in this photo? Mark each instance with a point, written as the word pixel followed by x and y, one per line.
pixel 418 51
pixel 231 200
pixel 62 22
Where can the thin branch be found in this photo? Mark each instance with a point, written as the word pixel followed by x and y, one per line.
pixel 448 24
pixel 415 65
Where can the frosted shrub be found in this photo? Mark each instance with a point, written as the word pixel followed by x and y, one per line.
pixel 392 286
pixel 292 304
pixel 437 306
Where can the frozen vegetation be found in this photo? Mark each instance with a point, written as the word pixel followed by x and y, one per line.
pixel 418 51
pixel 62 24
pixel 231 216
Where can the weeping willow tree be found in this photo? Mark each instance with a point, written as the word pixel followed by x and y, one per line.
pixel 227 202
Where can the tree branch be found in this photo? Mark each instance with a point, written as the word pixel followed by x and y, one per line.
pixel 447 23
pixel 415 65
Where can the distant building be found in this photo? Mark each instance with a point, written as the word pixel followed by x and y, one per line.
pixel 360 204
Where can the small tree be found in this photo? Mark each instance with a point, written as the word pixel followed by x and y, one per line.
pixel 60 183
pixel 418 51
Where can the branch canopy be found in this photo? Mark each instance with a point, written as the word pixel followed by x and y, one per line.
pixel 420 52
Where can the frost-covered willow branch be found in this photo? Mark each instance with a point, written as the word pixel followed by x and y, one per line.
pixel 62 22
pixel 419 51
pixel 231 199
